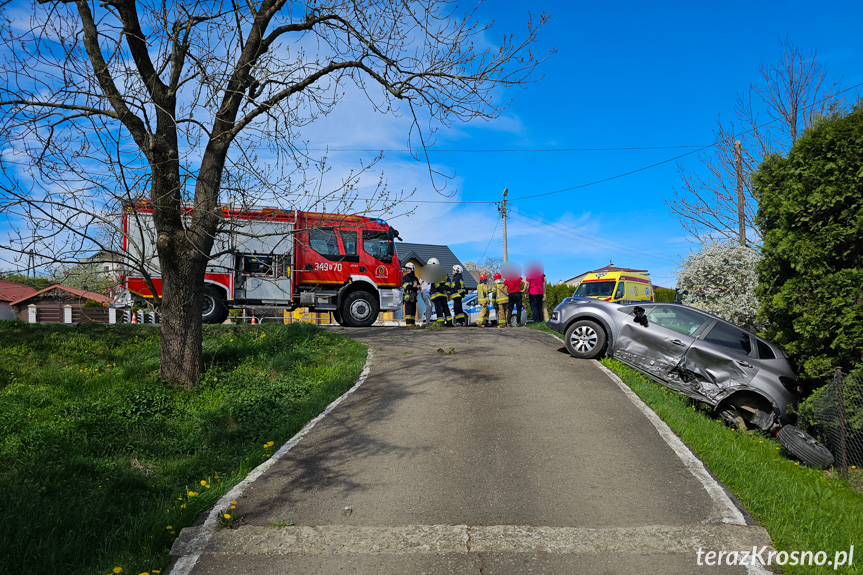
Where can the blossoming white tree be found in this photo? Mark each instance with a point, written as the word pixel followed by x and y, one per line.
pixel 721 279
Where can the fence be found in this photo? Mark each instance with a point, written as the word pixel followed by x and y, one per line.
pixel 838 411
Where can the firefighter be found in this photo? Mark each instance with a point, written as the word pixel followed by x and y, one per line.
pixel 458 291
pixel 439 291
pixel 411 285
pixel 501 299
pixel 482 298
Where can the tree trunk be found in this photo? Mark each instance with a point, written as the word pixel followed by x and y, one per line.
pixel 181 357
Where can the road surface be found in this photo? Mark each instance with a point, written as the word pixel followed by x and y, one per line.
pixel 480 451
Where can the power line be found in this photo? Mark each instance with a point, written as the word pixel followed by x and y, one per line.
pixel 629 173
pixel 489 240
pixel 505 150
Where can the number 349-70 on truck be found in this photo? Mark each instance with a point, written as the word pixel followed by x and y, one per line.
pixel 335 263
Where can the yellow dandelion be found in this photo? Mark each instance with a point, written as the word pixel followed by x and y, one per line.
pixel 232 340
pixel 853 467
pixel 203 482
pixel 266 455
pixel 183 506
pixel 777 449
pixel 167 510
pixel 144 573
pixel 179 498
pixel 233 502
pixel 173 532
pixel 795 463
pixel 118 569
pixel 207 485
pixel 227 515
pixel 233 506
pixel 168 527
pixel 193 493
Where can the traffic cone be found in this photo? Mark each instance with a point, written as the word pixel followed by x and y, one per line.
pixel 253 320
pixel 134 317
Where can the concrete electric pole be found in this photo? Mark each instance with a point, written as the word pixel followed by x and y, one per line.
pixel 738 160
pixel 503 217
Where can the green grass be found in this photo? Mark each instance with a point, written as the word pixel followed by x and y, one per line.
pixel 98 456
pixel 802 508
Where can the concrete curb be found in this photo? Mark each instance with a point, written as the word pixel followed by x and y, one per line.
pixel 191 542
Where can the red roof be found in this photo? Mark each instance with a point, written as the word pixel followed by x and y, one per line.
pixel 85 295
pixel 11 291
pixel 611 268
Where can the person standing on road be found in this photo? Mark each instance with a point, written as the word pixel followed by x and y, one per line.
pixel 501 299
pixel 411 285
pixel 482 297
pixel 515 287
pixel 425 293
pixel 439 291
pixel 536 291
pixel 458 292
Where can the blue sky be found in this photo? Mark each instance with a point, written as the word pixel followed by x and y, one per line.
pixel 625 74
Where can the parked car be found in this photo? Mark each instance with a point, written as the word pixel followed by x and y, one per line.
pixel 470 305
pixel 747 380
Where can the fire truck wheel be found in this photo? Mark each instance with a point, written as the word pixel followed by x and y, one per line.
pixel 359 309
pixel 337 315
pixel 213 310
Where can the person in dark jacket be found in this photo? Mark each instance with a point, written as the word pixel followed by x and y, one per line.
pixel 439 291
pixel 458 291
pixel 411 285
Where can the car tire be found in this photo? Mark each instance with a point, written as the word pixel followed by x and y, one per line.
pixel 213 308
pixel 804 447
pixel 359 309
pixel 585 339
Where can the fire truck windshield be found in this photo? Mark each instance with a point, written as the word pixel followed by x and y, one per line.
pixel 379 245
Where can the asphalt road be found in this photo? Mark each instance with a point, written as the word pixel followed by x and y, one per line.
pixel 475 451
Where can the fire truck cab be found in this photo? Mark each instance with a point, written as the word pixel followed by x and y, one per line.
pixel 335 263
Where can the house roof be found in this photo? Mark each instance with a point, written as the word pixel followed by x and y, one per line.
pixel 421 253
pixel 85 295
pixel 11 291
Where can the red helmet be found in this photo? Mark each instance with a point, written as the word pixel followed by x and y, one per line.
pixel 497 276
pixel 483 277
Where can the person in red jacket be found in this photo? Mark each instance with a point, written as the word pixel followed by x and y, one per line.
pixel 516 285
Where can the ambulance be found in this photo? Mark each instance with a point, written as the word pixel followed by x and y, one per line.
pixel 616 286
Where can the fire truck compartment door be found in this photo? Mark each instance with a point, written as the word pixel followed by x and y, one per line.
pixel 254 237
pixel 268 289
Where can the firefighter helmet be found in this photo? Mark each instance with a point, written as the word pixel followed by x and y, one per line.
pixel 433 262
pixel 483 277
pixel 457 269
pixel 496 275
pixel 410 266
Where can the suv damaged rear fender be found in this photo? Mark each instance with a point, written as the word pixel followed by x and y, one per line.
pixel 761 411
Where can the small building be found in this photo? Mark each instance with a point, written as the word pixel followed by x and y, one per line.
pixel 420 254
pixel 574 281
pixel 10 292
pixel 62 304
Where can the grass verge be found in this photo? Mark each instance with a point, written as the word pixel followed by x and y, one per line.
pixel 803 509
pixel 102 464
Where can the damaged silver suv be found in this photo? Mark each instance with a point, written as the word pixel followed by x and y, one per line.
pixel 746 380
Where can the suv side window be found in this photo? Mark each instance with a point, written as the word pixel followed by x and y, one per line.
pixel 676 318
pixel 730 337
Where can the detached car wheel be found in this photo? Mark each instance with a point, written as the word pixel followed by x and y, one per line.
pixel 804 447
pixel 585 339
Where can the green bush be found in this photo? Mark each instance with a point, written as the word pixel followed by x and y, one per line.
pixel 664 295
pixel 811 217
pixel 554 294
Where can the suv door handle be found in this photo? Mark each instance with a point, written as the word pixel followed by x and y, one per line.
pixel 677 342
pixel 745 364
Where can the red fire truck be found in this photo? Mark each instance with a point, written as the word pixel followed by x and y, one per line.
pixel 270 257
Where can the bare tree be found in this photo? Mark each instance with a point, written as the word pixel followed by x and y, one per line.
pixel 197 103
pixel 792 94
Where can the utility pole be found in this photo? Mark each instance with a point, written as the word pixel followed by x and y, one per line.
pixel 738 160
pixel 503 216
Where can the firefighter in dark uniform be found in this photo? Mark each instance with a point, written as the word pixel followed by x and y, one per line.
pixel 458 291
pixel 439 291
pixel 411 285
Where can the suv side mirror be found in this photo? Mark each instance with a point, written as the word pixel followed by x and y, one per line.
pixel 640 318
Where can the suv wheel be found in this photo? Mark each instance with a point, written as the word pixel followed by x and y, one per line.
pixel 585 339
